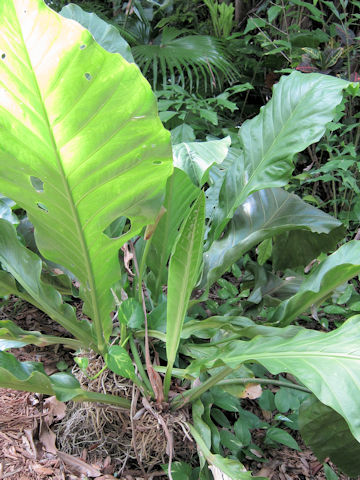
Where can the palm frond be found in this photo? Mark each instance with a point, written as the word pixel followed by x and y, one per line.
pixel 198 59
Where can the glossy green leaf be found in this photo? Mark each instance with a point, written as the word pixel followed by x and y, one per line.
pixel 264 251
pixel 335 270
pixel 180 193
pixel 130 313
pixel 232 468
pixel 5 210
pixel 61 124
pixel 308 356
pixel 274 434
pixel 104 34
pixel 298 248
pixel 198 410
pixel 10 333
pixel 296 116
pixel 196 158
pixel 328 435
pixel 65 386
pixel 183 274
pixel 25 266
pixel 119 362
pixel 329 472
pixel 31 377
pixel 182 133
pixel 28 376
pixel 265 214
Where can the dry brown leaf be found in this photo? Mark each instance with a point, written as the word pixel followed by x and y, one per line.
pixel 56 410
pixel 47 438
pixel 78 466
pixel 251 391
pixel 156 383
pixel 41 470
pixel 128 256
pixel 29 436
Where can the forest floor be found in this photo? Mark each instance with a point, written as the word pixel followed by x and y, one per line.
pixel 42 438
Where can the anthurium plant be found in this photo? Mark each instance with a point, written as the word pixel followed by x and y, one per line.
pixel 84 154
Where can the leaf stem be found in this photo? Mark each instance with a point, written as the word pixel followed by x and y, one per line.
pixel 103 398
pixel 139 365
pixel 180 400
pixel 191 395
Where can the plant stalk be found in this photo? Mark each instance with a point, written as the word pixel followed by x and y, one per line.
pixel 180 400
pixel 103 398
pixel 191 395
pixel 140 366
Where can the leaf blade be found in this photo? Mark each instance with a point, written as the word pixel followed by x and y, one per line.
pixel 60 124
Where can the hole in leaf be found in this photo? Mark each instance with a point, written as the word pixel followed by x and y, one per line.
pixel 118 227
pixel 157 162
pixel 88 76
pixel 82 46
pixel 3 56
pixel 42 207
pixel 37 184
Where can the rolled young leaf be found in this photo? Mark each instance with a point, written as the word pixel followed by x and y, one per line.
pixel 180 194
pixel 81 145
pixel 183 275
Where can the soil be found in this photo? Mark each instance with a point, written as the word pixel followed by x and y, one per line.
pixel 41 438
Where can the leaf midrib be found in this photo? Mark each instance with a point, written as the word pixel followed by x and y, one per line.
pixel 291 355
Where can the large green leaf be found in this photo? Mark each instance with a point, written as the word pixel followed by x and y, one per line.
pixel 31 377
pixel 12 336
pixel 183 274
pixel 326 363
pixel 335 270
pixel 180 194
pixel 27 376
pixel 263 215
pixel 25 266
pixel 328 435
pixel 105 34
pixel 196 158
pixel 81 145
pixel 296 116
pixel 298 248
pixel 200 59
pixel 5 210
